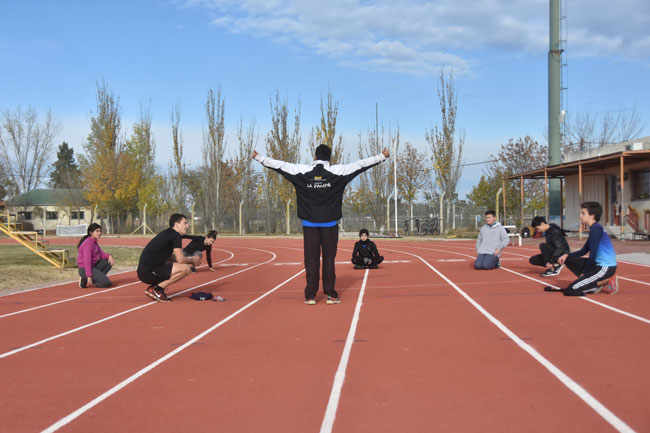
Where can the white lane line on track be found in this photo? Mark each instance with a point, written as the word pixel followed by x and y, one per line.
pixel 90 294
pixel 66 300
pixel 546 283
pixel 582 393
pixel 72 416
pixel 634 281
pixel 88 325
pixel 587 298
pixel 339 378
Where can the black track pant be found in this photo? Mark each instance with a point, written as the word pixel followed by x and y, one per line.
pixel 319 240
pixel 545 257
pixel 587 282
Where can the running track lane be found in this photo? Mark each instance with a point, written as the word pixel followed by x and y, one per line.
pixel 85 363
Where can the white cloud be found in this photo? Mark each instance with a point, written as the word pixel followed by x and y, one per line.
pixel 418 37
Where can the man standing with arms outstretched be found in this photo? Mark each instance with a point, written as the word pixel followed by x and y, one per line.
pixel 319 189
pixel 162 261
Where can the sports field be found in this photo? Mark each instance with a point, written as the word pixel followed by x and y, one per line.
pixel 423 344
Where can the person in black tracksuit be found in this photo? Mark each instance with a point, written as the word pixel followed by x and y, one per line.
pixel 365 254
pixel 198 245
pixel 555 246
pixel 319 191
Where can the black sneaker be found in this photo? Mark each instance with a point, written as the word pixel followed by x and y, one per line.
pixel 83 283
pixel 358 267
pixel 555 270
pixel 192 268
pixel 157 294
pixel 548 273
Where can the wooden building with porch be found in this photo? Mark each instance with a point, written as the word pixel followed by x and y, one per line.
pixel 617 176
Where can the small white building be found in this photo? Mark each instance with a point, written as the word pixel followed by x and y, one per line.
pixel 44 209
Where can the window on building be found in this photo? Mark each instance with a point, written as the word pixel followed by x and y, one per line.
pixel 24 216
pixel 77 215
pixel 641 185
pixel 51 215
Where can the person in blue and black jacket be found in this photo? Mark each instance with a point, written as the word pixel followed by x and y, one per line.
pixel 595 273
pixel 319 191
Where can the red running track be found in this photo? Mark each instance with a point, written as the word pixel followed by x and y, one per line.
pixel 424 343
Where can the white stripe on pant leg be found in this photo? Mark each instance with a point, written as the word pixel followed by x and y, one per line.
pixel 594 277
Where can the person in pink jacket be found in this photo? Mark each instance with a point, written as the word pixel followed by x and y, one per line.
pixel 92 261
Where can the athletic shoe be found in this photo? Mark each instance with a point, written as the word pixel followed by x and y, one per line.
pixel 358 267
pixel 157 294
pixel 555 270
pixel 548 273
pixel 332 301
pixel 83 283
pixel 192 268
pixel 611 287
pixel 310 302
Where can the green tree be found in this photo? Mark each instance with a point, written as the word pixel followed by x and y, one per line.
pixel 65 172
pixel 513 157
pixel 109 170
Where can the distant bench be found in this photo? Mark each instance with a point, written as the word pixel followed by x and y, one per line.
pixel 513 233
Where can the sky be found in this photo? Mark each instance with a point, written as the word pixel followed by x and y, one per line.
pixel 374 55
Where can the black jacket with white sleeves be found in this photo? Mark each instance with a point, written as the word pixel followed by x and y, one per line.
pixel 319 185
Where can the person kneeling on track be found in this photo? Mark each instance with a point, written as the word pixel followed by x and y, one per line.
pixel 491 240
pixel 365 254
pixel 595 273
pixel 92 261
pixel 156 267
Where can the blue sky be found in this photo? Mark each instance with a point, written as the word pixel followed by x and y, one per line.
pixel 385 52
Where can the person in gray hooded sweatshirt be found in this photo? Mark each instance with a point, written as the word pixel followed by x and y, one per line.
pixel 491 240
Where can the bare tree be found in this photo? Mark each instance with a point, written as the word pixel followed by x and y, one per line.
pixel 447 149
pixel 25 148
pixel 375 185
pixel 325 133
pixel 213 149
pixel 177 137
pixel 245 185
pixel 412 175
pixel 586 130
pixel 283 144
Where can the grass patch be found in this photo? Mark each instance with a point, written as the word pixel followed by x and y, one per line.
pixel 21 269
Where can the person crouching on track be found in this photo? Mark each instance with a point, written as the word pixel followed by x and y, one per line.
pixel 198 245
pixel 596 272
pixel 156 267
pixel 491 240
pixel 555 246
pixel 92 261
pixel 365 254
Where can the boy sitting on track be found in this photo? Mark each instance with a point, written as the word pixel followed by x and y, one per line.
pixel 365 254
pixel 198 245
pixel 156 267
pixel 491 240
pixel 555 246
pixel 595 273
